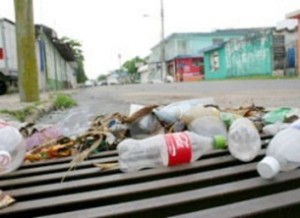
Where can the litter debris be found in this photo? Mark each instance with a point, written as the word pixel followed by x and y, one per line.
pixel 61 147
pixel 106 166
pixel 81 135
pixel 5 200
pixel 173 112
pixel 276 115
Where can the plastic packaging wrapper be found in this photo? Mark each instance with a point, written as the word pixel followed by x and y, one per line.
pixel 41 137
pixel 75 123
pixel 276 115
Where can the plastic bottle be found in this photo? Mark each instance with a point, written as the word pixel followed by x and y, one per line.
pixel 174 112
pixel 208 126
pixel 197 112
pixel 283 152
pixel 165 149
pixel 244 141
pixel 273 129
pixel 12 149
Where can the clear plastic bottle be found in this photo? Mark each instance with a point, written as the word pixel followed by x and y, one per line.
pixel 208 126
pixel 12 149
pixel 197 112
pixel 244 141
pixel 283 152
pixel 167 149
pixel 273 129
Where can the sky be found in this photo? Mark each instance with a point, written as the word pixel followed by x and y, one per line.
pixel 107 28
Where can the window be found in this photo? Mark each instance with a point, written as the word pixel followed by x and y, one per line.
pixel 214 61
pixel 197 63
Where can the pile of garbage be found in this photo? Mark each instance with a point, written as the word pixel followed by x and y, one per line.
pixel 80 135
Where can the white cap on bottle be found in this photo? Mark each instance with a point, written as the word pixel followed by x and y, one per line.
pixel 268 167
pixel 5 159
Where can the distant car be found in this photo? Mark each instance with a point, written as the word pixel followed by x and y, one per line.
pixel 102 83
pixel 88 83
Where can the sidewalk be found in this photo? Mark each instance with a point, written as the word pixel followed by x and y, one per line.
pixel 12 102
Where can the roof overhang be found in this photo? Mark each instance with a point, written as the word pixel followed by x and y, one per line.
pixel 294 15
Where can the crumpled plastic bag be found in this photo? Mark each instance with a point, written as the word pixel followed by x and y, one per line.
pixel 142 122
pixel 76 122
pixel 276 115
pixel 42 136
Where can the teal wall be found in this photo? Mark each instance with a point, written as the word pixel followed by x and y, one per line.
pixel 251 55
pixel 188 44
pixel 220 73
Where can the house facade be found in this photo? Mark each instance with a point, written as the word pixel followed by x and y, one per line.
pixel 289 30
pixel 182 52
pixel 261 53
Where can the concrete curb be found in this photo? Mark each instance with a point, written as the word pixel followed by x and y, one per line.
pixel 39 111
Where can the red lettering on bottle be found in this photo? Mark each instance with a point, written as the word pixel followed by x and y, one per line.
pixel 179 148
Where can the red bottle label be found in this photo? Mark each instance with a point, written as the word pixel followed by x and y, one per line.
pixel 179 148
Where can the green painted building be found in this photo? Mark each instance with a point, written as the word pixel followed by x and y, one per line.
pixel 255 54
pixel 189 44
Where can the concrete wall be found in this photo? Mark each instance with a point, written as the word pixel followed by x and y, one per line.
pixel 187 44
pixel 59 72
pixel 251 55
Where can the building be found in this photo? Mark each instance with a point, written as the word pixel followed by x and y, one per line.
pixel 296 15
pixel 144 74
pixel 289 30
pixel 118 77
pixel 56 60
pixel 260 53
pixel 183 59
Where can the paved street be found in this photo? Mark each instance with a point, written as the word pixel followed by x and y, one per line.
pixel 232 93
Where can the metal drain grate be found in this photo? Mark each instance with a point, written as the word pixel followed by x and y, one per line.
pixel 215 186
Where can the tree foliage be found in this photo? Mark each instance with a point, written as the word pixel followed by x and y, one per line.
pixel 102 77
pixel 131 66
pixel 76 47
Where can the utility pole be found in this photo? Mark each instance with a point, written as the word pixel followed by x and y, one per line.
pixel 162 45
pixel 25 36
pixel 120 60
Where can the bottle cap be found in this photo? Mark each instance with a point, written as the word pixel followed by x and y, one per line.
pixel 219 142
pixel 268 167
pixel 5 159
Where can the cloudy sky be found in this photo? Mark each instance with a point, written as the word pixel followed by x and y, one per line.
pixel 107 28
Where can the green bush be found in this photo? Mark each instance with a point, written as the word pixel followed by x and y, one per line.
pixel 18 114
pixel 64 101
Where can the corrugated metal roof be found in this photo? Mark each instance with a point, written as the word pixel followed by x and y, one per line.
pixel 63 48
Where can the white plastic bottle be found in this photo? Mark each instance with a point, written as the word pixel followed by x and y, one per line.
pixel 12 149
pixel 273 129
pixel 283 152
pixel 244 141
pixel 208 126
pixel 168 149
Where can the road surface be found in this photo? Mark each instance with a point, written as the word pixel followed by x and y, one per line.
pixel 230 93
